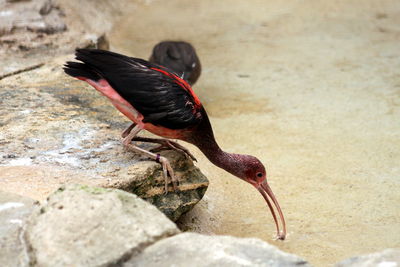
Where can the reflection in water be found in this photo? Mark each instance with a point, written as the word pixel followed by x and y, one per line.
pixel 313 95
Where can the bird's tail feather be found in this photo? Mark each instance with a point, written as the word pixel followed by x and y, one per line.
pixel 76 69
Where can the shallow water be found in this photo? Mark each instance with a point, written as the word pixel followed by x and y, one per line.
pixel 312 89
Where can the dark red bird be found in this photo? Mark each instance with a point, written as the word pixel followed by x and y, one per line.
pixel 164 104
pixel 180 57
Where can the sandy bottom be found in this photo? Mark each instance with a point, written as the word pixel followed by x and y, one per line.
pixel 312 88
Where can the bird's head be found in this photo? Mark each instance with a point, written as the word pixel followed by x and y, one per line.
pixel 255 174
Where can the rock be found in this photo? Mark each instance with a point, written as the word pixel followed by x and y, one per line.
pixel 190 249
pixel 61 130
pixel 33 32
pixel 34 16
pixel 14 210
pixel 94 41
pixel 52 18
pixel 89 226
pixel 385 258
pixel 192 186
pixel 46 8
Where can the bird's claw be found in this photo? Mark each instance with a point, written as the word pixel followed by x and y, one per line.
pixel 164 144
pixel 175 146
pixel 167 169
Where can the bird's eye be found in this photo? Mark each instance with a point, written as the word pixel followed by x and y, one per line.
pixel 259 174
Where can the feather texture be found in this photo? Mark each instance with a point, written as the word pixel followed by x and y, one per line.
pixel 160 96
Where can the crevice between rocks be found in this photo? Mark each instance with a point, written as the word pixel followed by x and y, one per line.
pixel 142 246
pixel 33 67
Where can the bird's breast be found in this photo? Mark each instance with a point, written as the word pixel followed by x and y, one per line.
pixel 165 132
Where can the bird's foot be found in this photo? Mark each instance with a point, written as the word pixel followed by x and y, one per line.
pixel 167 170
pixel 130 134
pixel 166 144
pixel 166 166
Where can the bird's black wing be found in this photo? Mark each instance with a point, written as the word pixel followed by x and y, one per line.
pixel 160 96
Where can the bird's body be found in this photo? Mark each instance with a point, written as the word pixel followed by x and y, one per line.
pixel 164 104
pixel 180 57
pixel 146 93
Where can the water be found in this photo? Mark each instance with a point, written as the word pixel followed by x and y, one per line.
pixel 312 88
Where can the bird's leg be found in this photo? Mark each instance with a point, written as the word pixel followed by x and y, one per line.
pixel 167 169
pixel 165 144
pixel 128 130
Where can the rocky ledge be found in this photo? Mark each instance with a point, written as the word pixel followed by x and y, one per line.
pixel 56 130
pixel 80 225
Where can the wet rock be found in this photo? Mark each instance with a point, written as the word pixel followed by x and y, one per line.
pixel 57 130
pixel 14 211
pixel 89 226
pixel 385 258
pixel 190 249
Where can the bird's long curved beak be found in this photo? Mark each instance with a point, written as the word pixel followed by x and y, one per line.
pixel 266 192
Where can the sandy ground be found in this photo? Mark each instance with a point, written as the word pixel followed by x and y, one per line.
pixel 312 88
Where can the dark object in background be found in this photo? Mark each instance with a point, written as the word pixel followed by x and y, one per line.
pixel 179 57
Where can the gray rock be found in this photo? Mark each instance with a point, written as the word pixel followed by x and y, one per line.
pixel 14 211
pixel 71 134
pixel 385 258
pixel 30 33
pixel 33 32
pixel 34 16
pixel 95 41
pixel 149 185
pixel 189 249
pixel 56 130
pixel 89 226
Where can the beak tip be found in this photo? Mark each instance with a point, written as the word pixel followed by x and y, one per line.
pixel 266 191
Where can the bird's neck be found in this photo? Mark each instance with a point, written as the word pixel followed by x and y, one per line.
pixel 205 141
pixel 228 161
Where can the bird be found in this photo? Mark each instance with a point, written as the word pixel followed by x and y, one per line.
pixel 159 101
pixel 178 56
